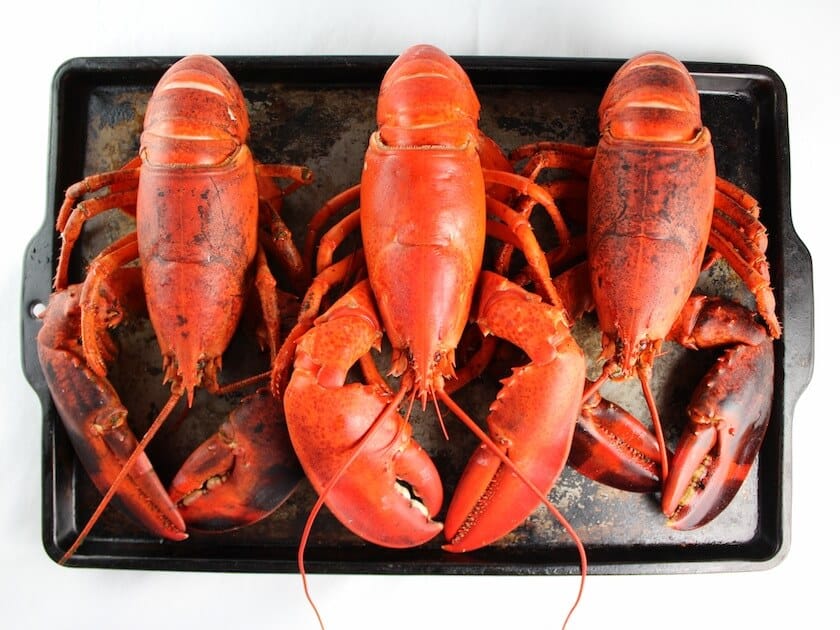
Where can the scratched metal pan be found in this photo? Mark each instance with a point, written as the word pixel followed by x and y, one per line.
pixel 320 112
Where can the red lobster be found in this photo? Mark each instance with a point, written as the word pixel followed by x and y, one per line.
pixel 654 205
pixel 205 213
pixel 424 216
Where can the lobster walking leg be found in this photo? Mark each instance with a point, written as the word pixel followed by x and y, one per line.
pixel 122 193
pixel 99 295
pixel 275 236
pixel 532 419
pixel 322 217
pixel 741 240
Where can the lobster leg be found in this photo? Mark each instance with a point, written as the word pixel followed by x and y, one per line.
pixel 739 237
pixel 334 237
pixel 266 287
pixel 99 295
pixel 728 413
pixel 96 420
pixel 535 194
pixel 391 491
pixel 574 163
pixel 274 235
pixel 323 216
pixel 122 193
pixel 242 473
pixel 532 419
pixel 573 159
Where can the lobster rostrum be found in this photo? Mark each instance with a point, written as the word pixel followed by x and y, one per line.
pixel 206 213
pixel 654 206
pixel 425 213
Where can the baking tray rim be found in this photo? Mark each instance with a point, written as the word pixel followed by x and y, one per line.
pixel 797 373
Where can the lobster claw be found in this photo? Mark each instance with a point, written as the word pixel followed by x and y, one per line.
pixel 611 446
pixel 391 490
pixel 95 420
pixel 532 419
pixel 241 474
pixel 729 414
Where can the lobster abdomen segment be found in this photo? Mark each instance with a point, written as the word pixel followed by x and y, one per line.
pixel 651 97
pixel 196 115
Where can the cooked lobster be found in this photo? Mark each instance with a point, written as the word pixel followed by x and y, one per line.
pixel 654 206
pixel 424 214
pixel 206 213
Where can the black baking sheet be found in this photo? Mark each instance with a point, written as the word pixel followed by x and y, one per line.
pixel 320 112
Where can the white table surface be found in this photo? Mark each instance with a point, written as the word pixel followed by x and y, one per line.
pixel 798 40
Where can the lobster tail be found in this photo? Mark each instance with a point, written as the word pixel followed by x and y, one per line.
pixel 651 98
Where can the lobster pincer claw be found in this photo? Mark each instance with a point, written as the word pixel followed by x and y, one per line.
pixel 613 447
pixel 391 490
pixel 532 419
pixel 95 419
pixel 241 474
pixel 729 414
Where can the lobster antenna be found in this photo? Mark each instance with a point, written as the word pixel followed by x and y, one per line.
pixel 644 379
pixel 248 381
pixel 307 528
pixel 485 439
pixel 595 385
pixel 129 463
pixel 440 417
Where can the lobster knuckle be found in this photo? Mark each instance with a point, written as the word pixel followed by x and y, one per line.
pixel 738 387
pixel 509 311
pixel 339 338
pixel 708 322
pixel 333 347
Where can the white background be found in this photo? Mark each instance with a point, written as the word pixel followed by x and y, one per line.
pixel 796 39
